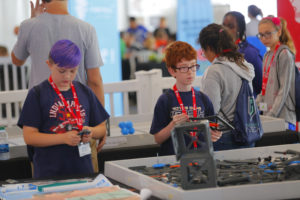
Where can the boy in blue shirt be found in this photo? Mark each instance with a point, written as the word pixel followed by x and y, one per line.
pixel 183 102
pixel 56 111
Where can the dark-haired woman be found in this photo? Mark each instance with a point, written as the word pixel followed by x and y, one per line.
pixel 252 26
pixel 235 22
pixel 222 80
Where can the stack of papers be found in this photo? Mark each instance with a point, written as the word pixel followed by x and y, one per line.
pixel 107 193
pixel 76 189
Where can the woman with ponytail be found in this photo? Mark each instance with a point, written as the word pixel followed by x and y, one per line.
pixel 277 98
pixel 252 26
pixel 222 80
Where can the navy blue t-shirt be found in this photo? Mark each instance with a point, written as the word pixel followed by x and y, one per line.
pixel 164 112
pixel 252 56
pixel 44 110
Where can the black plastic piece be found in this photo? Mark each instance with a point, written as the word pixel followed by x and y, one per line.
pixel 84 132
pixel 223 125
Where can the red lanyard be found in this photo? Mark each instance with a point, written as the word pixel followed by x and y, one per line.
pixel 77 117
pixel 181 103
pixel 237 41
pixel 266 71
pixel 193 134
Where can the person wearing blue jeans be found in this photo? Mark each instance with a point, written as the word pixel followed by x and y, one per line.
pixel 222 80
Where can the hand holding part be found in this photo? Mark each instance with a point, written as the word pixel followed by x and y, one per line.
pixel 101 143
pixel 216 123
pixel 215 135
pixel 84 132
pixel 85 135
pixel 178 119
pixel 72 138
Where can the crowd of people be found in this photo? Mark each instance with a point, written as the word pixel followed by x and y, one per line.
pixel 66 91
pixel 233 61
pixel 137 37
pixel 151 45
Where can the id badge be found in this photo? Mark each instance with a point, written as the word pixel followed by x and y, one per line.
pixel 263 106
pixel 84 149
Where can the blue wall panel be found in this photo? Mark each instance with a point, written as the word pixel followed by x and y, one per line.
pixel 102 14
pixel 192 16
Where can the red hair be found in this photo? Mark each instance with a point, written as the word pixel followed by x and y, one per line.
pixel 177 51
pixel 280 23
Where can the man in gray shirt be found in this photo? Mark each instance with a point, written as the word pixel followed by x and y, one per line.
pixel 50 21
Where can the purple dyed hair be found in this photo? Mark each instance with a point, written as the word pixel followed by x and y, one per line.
pixel 65 53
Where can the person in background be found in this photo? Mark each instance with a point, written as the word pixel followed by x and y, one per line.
pixel 222 80
pixel 162 40
pixel 132 44
pixel 162 35
pixel 162 27
pixel 139 31
pixel 123 45
pixel 124 57
pixel 54 130
pixel 50 21
pixel 277 98
pixel 151 54
pixel 235 22
pixel 252 26
pixel 128 47
pixel 150 42
pixel 181 61
pixel 172 38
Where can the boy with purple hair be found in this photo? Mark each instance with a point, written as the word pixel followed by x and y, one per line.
pixel 56 111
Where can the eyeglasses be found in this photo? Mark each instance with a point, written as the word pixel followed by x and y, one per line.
pixel 193 68
pixel 266 35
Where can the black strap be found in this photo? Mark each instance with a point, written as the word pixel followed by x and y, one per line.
pixel 225 116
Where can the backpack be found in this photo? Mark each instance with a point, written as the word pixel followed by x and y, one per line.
pixel 297 88
pixel 246 122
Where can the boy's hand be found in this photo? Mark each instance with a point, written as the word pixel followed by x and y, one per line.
pixel 86 138
pixel 178 119
pixel 101 143
pixel 215 135
pixel 71 138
